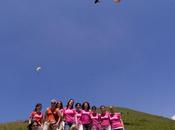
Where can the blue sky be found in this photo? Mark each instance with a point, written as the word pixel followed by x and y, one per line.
pixel 108 54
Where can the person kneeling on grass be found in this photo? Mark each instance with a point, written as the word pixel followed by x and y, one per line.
pixel 36 118
pixel 52 117
pixel 115 120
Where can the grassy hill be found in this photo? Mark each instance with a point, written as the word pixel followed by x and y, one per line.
pixel 133 120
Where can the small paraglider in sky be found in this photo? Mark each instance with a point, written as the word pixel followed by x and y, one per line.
pixel 38 68
pixel 117 1
pixel 97 1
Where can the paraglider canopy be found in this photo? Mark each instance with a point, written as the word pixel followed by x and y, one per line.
pixel 117 1
pixel 97 1
pixel 38 68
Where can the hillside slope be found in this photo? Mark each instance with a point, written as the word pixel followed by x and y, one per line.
pixel 133 120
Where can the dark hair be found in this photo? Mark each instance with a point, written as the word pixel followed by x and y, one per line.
pixel 69 102
pixel 77 104
pixel 61 104
pixel 102 106
pixel 37 105
pixel 84 105
pixel 93 108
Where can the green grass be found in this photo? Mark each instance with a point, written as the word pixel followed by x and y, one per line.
pixel 13 126
pixel 133 120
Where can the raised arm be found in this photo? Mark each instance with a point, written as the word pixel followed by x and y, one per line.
pixel 45 116
pixel 60 118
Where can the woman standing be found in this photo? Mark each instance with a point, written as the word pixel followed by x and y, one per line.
pixel 60 107
pixel 85 116
pixel 69 114
pixel 78 116
pixel 95 117
pixel 116 120
pixel 104 119
pixel 52 117
pixel 36 118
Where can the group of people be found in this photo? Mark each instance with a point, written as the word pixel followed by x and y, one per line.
pixel 82 117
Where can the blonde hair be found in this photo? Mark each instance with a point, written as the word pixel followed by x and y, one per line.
pixel 74 127
pixel 111 107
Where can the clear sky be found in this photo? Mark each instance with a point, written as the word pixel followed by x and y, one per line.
pixel 110 54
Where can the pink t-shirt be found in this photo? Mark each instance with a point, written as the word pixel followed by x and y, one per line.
pixel 69 115
pixel 85 117
pixel 78 115
pixel 115 120
pixel 95 119
pixel 105 119
pixel 37 117
pixel 61 110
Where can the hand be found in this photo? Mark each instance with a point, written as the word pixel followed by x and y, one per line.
pixel 56 125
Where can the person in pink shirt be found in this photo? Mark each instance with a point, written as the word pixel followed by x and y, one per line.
pixel 60 107
pixel 78 116
pixel 116 120
pixel 85 116
pixel 36 118
pixel 69 114
pixel 95 117
pixel 104 119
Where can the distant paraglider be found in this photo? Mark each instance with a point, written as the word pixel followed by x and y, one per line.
pixel 97 1
pixel 38 69
pixel 115 1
